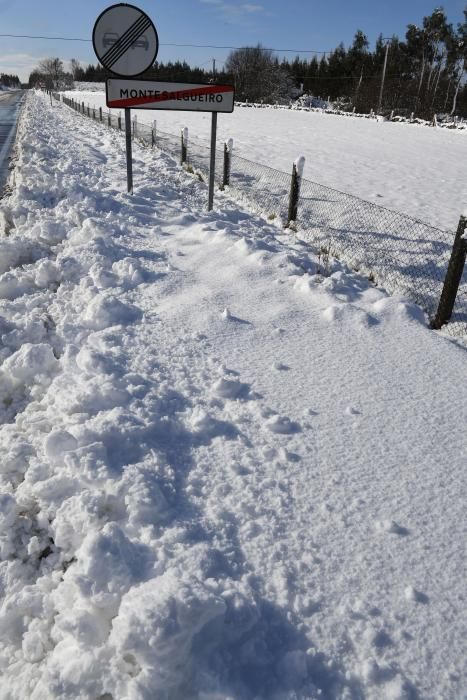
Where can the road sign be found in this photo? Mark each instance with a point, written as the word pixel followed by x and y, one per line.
pixel 150 94
pixel 125 40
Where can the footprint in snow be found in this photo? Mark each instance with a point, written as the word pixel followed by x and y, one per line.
pixel 310 412
pixel 391 527
pixel 231 389
pixel 351 411
pixel 280 367
pixel 415 596
pixel 229 317
pixel 282 425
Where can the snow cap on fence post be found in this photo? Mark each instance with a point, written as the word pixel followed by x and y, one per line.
pixel 300 165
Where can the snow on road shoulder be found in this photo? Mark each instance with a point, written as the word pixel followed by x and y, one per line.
pixel 224 475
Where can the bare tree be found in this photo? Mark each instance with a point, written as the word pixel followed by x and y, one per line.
pixel 75 68
pixel 257 74
pixel 54 75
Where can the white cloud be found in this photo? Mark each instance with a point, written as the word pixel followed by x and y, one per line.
pixel 252 8
pixel 235 12
pixel 20 64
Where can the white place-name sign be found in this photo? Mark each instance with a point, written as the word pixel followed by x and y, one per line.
pixel 150 94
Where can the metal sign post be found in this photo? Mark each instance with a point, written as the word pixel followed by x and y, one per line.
pixel 212 166
pixel 129 160
pixel 126 43
pixel 197 97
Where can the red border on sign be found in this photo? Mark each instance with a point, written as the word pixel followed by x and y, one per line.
pixel 168 96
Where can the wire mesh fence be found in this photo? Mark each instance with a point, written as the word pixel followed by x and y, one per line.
pixel 399 252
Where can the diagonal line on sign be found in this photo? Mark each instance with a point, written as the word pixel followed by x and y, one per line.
pixel 126 40
pixel 122 40
pixel 115 49
pixel 166 96
pixel 130 39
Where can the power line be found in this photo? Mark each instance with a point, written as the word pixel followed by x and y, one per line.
pixel 211 46
pixel 191 46
pixel 351 77
pixel 51 38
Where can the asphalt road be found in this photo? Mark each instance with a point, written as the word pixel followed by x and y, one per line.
pixel 9 111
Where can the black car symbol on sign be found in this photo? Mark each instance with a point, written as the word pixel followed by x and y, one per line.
pixel 110 38
pixel 141 43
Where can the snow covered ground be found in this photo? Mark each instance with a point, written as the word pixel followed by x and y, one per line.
pixel 418 171
pixel 224 475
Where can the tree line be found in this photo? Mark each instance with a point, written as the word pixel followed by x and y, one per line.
pixel 424 73
pixel 10 80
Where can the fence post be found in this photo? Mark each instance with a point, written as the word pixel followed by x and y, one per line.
pixel 228 148
pixel 109 119
pixel 120 122
pixel 453 277
pixel 135 126
pixel 82 106
pixel 89 111
pixel 184 152
pixel 297 174
pixel 100 114
pixel 153 133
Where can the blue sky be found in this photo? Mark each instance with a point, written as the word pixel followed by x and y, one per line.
pixel 296 24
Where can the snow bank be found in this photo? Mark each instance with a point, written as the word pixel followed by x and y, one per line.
pixel 223 475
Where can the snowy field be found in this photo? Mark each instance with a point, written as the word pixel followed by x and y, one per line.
pixel 224 475
pixel 416 170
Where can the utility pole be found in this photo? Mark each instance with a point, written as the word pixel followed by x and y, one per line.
pixel 383 77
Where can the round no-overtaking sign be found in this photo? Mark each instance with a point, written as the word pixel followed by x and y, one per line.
pixel 125 40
